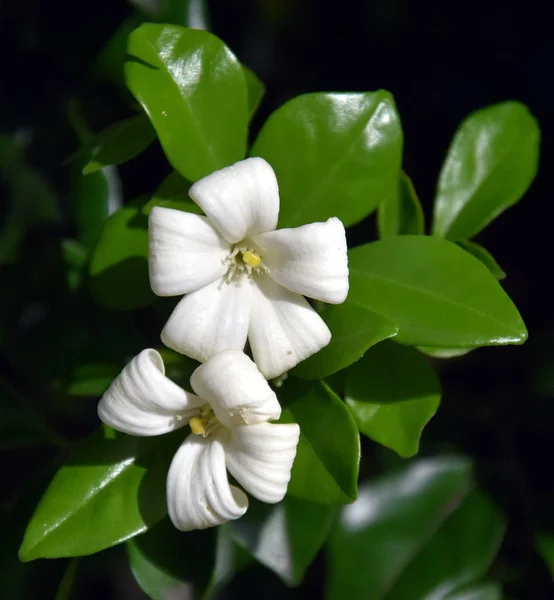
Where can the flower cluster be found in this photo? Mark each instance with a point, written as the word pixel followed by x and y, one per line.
pixel 241 280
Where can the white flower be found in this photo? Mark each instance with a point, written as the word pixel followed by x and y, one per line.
pixel 242 278
pixel 230 431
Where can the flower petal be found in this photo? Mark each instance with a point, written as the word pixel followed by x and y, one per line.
pixel 260 458
pixel 143 401
pixel 210 320
pixel 185 252
pixel 284 328
pixel 236 390
pixel 241 200
pixel 198 490
pixel 310 260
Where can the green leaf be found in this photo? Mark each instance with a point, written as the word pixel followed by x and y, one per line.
pixel 401 214
pixel 326 466
pixel 111 489
pixel 255 88
pixel 230 558
pixel 119 143
pixel 285 537
pixel 437 293
pixel 544 544
pixel 65 589
pixel 173 192
pixel 484 256
pixel 92 379
pixel 491 162
pixel 483 591
pixel 419 533
pixel 393 393
pixel 354 330
pixel 168 563
pixel 118 270
pixel 335 155
pixel 189 13
pixel 193 90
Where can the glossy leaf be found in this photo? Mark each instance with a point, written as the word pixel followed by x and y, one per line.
pixel 419 533
pixel 401 214
pixel 256 90
pixel 168 563
pixel 119 143
pixel 437 294
pixel 111 489
pixel 484 256
pixel 444 352
pixel 393 393
pixel 118 270
pixel 335 155
pixel 354 330
pixel 285 537
pixel 326 466
pixel 193 90
pixel 483 591
pixel 491 162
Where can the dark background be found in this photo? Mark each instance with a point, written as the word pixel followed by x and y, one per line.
pixel 441 61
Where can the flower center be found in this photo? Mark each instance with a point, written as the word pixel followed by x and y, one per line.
pixel 205 424
pixel 244 259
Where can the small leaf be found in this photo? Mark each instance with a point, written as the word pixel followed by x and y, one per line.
pixel 193 90
pixel 401 214
pixel 111 489
pixel 354 329
pixel 438 294
pixel 484 256
pixel 444 352
pixel 65 589
pixel 285 537
pixel 420 533
pixel 327 460
pixel 335 155
pixel 393 393
pixel 491 162
pixel 118 270
pixel 119 143
pixel 256 90
pixel 544 544
pixel 167 563
pixel 482 591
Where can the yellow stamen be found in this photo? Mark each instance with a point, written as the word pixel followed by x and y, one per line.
pixel 197 426
pixel 251 258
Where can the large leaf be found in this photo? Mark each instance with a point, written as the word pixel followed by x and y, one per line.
pixel 392 393
pixel 437 294
pixel 167 563
pixel 489 166
pixel 285 537
pixel 401 214
pixel 119 143
pixel 327 460
pixel 354 329
pixel 419 533
pixel 194 92
pixel 334 155
pixel 111 489
pixel 173 192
